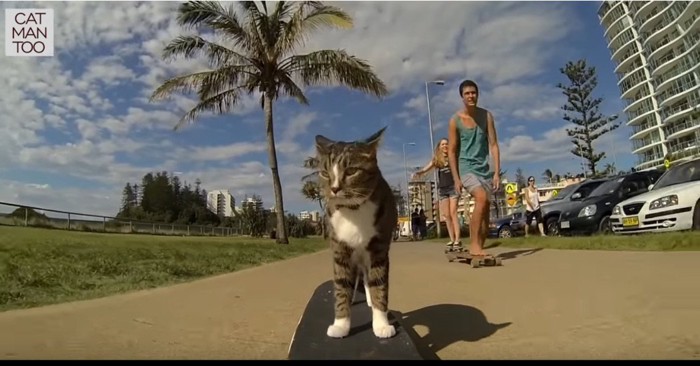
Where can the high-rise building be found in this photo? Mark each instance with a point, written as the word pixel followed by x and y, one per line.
pixel 655 48
pixel 221 202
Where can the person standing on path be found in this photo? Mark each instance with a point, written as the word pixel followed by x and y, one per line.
pixel 532 207
pixel 472 138
pixel 447 195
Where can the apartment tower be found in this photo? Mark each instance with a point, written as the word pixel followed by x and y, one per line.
pixel 655 48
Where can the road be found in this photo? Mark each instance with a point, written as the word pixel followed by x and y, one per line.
pixel 546 304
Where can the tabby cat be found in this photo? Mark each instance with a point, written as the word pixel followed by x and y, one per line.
pixel 361 216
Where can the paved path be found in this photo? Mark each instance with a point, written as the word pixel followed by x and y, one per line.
pixel 546 304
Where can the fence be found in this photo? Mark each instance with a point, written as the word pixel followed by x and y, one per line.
pixel 86 222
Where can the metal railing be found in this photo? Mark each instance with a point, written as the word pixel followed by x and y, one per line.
pixel 106 224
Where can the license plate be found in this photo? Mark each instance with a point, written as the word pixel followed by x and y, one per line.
pixel 564 224
pixel 630 221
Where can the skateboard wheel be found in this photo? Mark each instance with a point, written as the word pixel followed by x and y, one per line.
pixel 475 263
pixel 498 261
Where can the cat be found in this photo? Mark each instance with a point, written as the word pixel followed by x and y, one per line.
pixel 360 218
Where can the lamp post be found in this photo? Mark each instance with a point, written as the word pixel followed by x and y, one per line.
pixel 408 195
pixel 432 146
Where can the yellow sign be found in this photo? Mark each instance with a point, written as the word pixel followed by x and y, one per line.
pixel 511 199
pixel 511 188
pixel 667 163
pixel 555 193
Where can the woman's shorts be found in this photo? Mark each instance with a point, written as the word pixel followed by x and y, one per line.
pixel 445 193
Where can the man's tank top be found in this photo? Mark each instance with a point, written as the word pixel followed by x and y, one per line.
pixel 474 146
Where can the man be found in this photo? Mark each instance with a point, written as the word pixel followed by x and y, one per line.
pixel 472 138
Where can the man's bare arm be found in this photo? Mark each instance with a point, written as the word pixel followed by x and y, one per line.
pixel 493 144
pixel 452 149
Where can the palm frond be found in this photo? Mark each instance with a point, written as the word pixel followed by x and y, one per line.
pixel 290 88
pixel 205 83
pixel 335 67
pixel 218 104
pixel 193 46
pixel 213 15
pixel 309 17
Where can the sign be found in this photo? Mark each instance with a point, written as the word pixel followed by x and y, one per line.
pixel 667 163
pixel 555 193
pixel 512 199
pixel 29 32
pixel 511 188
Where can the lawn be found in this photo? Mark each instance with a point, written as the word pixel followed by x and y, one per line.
pixel 43 266
pixel 689 240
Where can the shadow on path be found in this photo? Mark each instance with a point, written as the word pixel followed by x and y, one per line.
pixel 518 253
pixel 446 324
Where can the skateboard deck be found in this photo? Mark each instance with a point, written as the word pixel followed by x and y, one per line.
pixel 475 262
pixel 310 341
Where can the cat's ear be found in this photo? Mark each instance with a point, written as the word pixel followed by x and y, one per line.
pixel 323 144
pixel 374 141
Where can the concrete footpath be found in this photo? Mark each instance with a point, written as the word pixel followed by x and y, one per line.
pixel 546 304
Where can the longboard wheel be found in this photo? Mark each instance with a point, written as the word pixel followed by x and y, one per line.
pixel 498 262
pixel 475 263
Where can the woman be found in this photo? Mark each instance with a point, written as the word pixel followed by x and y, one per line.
pixel 448 197
pixel 532 207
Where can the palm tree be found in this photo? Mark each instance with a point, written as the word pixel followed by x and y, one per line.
pixel 257 54
pixel 548 175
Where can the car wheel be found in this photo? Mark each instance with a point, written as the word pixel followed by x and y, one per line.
pixel 696 216
pixel 505 232
pixel 552 227
pixel 605 228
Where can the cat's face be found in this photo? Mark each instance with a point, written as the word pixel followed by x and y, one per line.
pixel 348 171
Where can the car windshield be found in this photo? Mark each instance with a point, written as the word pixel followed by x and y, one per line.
pixel 689 172
pixel 564 192
pixel 608 187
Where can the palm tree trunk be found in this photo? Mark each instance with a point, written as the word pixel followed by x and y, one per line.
pixel 276 184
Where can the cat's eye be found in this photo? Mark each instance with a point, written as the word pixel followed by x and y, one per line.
pixel 323 174
pixel 352 171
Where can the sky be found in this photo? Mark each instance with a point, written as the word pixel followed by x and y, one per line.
pixel 78 126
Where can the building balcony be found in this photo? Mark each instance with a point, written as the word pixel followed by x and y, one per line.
pixel 640 131
pixel 683 67
pixel 647 22
pixel 643 10
pixel 680 129
pixel 650 162
pixel 675 93
pixel 640 115
pixel 641 145
pixel 689 105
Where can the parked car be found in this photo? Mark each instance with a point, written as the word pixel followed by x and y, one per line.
pixel 567 198
pixel 592 214
pixel 508 226
pixel 672 204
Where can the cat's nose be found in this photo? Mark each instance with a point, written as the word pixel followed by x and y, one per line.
pixel 335 190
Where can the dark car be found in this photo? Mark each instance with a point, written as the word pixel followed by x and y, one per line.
pixel 592 215
pixel 567 198
pixel 507 226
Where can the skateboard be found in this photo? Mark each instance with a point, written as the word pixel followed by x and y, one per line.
pixel 310 341
pixel 474 261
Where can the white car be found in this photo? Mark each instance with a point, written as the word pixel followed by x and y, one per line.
pixel 672 204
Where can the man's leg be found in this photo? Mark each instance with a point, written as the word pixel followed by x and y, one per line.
pixel 485 222
pixel 475 228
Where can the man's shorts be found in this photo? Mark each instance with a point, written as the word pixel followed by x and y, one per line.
pixel 472 182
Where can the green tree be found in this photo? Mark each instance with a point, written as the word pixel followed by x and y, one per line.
pixel 311 191
pixel 259 54
pixel 548 175
pixel 590 123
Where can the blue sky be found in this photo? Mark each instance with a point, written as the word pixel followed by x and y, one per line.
pixel 76 127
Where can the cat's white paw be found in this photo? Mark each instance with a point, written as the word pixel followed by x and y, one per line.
pixel 384 331
pixel 336 331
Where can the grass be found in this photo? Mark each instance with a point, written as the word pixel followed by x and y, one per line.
pixel 675 241
pixel 41 266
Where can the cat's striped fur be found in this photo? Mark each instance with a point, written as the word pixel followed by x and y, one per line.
pixel 361 215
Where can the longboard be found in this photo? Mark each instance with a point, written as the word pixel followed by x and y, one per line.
pixel 474 261
pixel 310 341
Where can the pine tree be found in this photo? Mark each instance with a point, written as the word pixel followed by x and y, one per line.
pixel 591 124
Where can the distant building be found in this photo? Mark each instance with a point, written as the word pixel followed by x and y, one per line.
pixel 655 46
pixel 221 202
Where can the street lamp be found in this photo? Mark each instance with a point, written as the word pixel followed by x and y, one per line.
pixel 408 196
pixel 432 146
